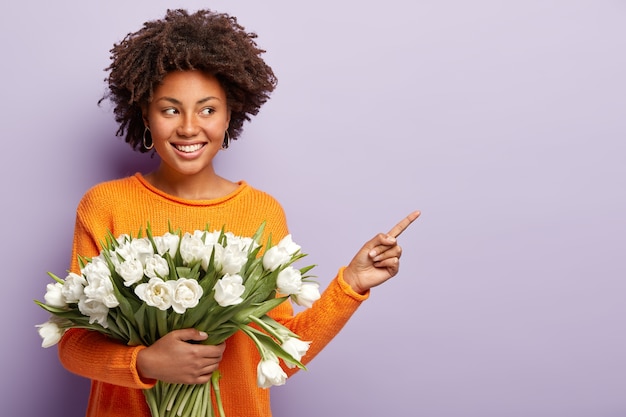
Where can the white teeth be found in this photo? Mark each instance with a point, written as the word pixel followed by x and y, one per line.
pixel 188 148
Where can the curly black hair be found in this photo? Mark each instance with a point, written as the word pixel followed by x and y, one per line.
pixel 205 40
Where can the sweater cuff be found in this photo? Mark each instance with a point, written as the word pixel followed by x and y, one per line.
pixel 144 383
pixel 347 289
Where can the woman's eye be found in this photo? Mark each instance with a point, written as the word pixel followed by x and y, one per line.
pixel 169 111
pixel 206 111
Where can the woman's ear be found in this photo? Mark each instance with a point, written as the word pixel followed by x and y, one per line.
pixel 144 116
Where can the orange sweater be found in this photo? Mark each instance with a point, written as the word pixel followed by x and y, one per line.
pixel 126 205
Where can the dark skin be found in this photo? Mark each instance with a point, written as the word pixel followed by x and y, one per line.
pixel 378 260
pixel 173 359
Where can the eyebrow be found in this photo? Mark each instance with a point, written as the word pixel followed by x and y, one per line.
pixel 178 102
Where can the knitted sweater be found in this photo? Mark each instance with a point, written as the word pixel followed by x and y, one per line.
pixel 126 205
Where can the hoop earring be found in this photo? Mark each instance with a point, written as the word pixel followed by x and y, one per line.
pixel 146 130
pixel 226 140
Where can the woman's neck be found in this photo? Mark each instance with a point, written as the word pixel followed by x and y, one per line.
pixel 201 186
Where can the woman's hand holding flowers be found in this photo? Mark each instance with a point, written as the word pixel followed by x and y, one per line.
pixel 173 359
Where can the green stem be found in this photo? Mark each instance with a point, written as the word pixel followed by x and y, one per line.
pixel 171 391
pixel 215 383
pixel 152 404
pixel 188 411
pixel 197 401
pixel 183 400
pixel 265 326
pixel 206 401
pixel 260 347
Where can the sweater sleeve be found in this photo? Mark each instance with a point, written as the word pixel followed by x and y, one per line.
pixel 114 362
pixel 89 353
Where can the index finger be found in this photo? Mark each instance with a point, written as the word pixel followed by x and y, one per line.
pixel 401 227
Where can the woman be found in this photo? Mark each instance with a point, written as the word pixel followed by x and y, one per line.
pixel 182 87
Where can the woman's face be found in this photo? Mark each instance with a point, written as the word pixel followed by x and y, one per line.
pixel 188 117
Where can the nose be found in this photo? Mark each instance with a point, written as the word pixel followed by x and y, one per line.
pixel 188 126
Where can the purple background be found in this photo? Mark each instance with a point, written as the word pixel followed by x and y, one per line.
pixel 504 122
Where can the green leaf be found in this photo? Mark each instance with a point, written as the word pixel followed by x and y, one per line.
pixel 161 322
pixel 51 309
pixel 183 271
pixel 271 344
pixel 57 279
pixel 150 324
pixel 258 309
pixel 259 233
pixel 141 320
pixel 306 269
pixel 151 237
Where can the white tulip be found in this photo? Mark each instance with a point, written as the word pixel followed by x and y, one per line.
pixel 186 294
pixel 156 293
pixel 228 290
pixel 289 281
pixel 309 293
pixel 269 372
pixel 296 348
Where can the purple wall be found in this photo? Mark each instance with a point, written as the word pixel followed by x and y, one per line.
pixel 504 122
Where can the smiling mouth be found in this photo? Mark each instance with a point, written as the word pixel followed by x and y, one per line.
pixel 189 148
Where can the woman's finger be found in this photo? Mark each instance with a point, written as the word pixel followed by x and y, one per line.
pixel 406 222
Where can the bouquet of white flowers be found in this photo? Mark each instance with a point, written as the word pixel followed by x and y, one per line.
pixel 140 288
